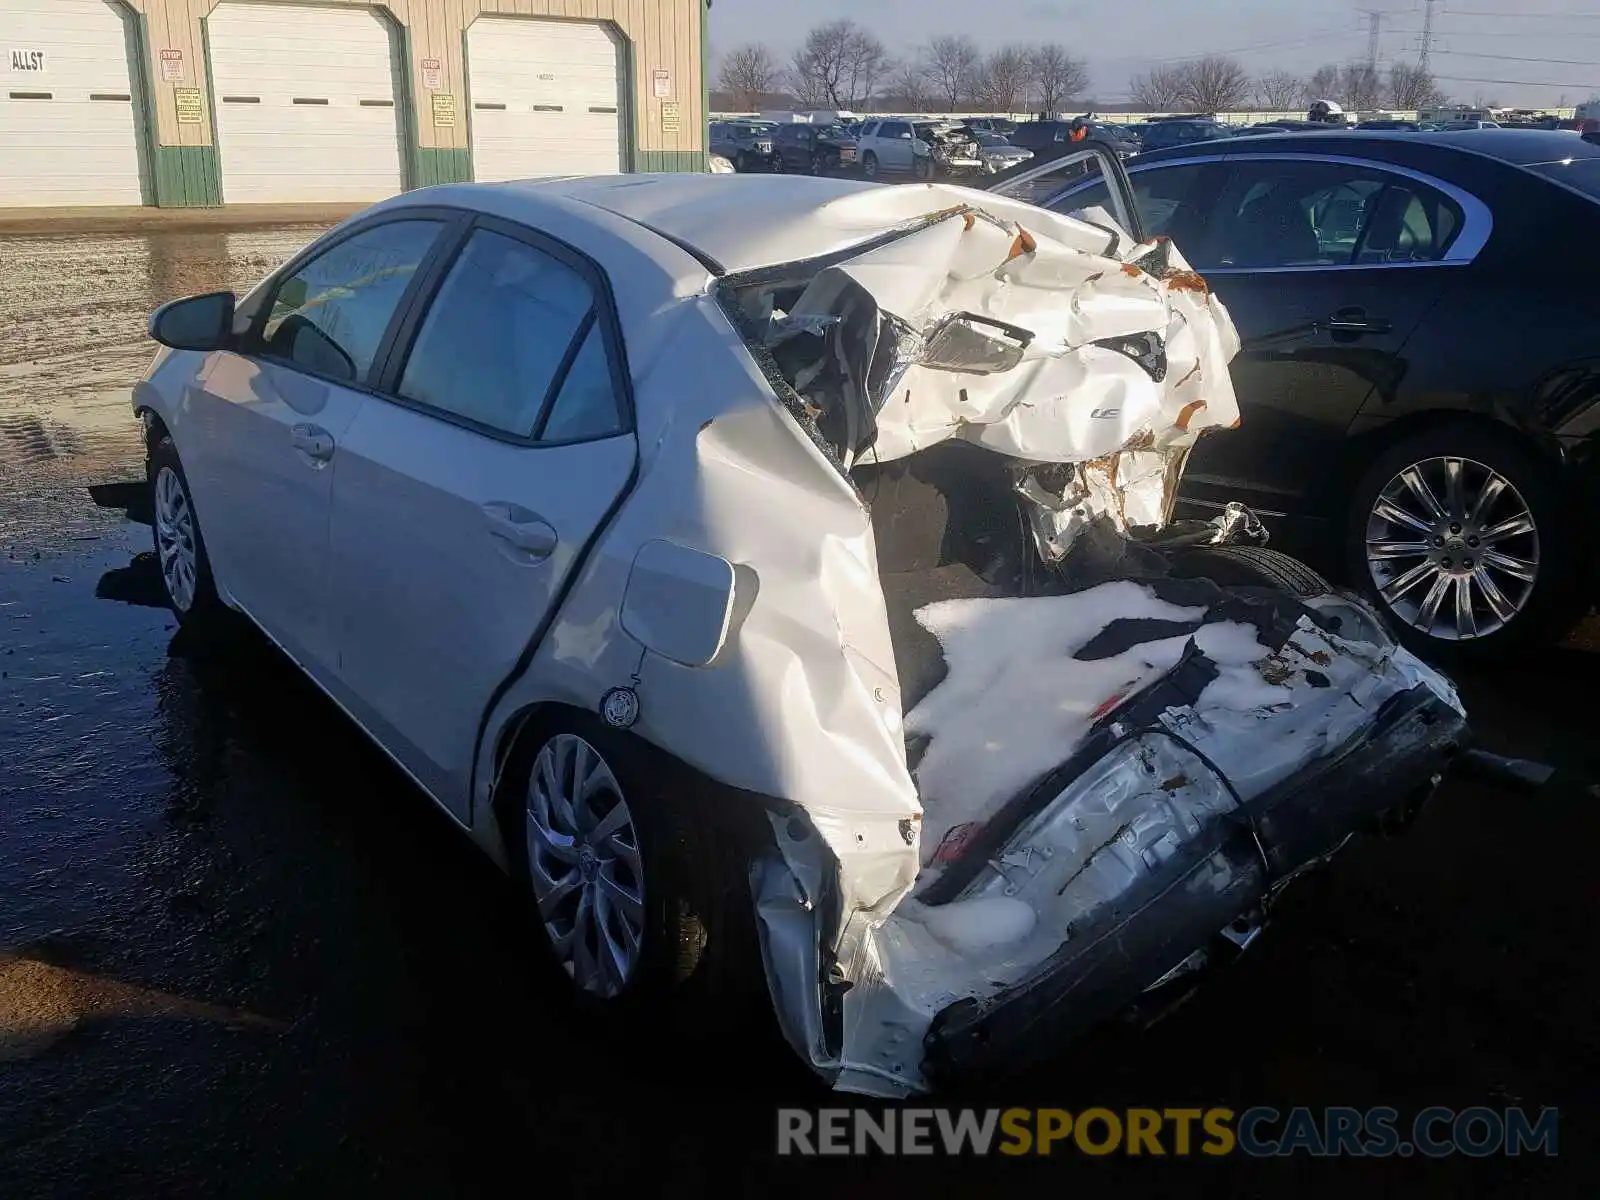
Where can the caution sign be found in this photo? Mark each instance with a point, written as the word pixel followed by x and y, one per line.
pixel 171 65
pixel 191 109
pixel 444 109
pixel 670 120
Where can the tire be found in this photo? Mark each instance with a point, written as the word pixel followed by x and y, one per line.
pixel 777 164
pixel 1534 597
pixel 922 167
pixel 186 580
pixel 819 164
pixel 1251 566
pixel 696 947
pixel 741 164
pixel 869 165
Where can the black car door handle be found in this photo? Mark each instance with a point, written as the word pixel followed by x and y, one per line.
pixel 1355 320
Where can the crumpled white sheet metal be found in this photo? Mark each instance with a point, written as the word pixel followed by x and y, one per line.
pixel 1070 399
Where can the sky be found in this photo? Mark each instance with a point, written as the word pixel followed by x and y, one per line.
pixel 1517 52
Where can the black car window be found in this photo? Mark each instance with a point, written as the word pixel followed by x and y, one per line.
pixel 509 322
pixel 1162 196
pixel 1298 213
pixel 329 317
pixel 788 133
pixel 869 129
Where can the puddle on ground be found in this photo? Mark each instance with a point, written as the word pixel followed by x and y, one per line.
pixel 73 312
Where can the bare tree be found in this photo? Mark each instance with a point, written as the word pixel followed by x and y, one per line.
pixel 1361 87
pixel 748 73
pixel 839 66
pixel 1215 83
pixel 1277 91
pixel 1057 76
pixel 1006 80
pixel 1411 87
pixel 1323 84
pixel 910 84
pixel 953 64
pixel 1159 89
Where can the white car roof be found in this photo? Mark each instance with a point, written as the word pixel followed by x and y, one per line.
pixel 740 222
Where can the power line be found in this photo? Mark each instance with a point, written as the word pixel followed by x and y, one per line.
pixel 1534 83
pixel 1558 62
pixel 1464 12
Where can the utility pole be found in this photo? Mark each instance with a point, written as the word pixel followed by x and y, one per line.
pixel 1427 40
pixel 1374 24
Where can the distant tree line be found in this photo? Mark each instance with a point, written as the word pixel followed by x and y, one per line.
pixel 842 65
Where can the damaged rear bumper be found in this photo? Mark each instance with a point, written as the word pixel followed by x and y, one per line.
pixel 1230 868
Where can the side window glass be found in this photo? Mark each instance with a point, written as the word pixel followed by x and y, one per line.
pixel 329 316
pixel 1408 222
pixel 499 334
pixel 1297 213
pixel 586 406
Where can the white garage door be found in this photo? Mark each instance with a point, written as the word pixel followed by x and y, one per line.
pixel 305 103
pixel 66 105
pixel 546 98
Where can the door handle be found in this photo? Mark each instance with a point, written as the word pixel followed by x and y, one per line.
pixel 313 441
pixel 1355 320
pixel 522 529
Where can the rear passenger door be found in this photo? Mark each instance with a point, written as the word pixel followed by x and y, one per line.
pixel 468 489
pixel 1327 266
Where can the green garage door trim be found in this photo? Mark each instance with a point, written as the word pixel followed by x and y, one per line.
pixel 426 165
pixel 181 176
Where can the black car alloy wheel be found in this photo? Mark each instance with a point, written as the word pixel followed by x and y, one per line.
pixel 1460 537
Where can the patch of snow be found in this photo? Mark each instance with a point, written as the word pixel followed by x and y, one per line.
pixel 1230 643
pixel 1015 703
pixel 971 926
pixel 1241 689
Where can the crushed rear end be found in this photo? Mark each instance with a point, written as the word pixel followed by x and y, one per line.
pixel 1120 759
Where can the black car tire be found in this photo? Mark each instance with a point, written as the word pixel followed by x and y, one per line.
pixel 922 167
pixel 205 613
pixel 741 164
pixel 869 165
pixel 819 164
pixel 1554 602
pixel 1250 566
pixel 698 948
pixel 777 164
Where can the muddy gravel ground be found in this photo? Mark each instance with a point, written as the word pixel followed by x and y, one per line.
pixel 240 954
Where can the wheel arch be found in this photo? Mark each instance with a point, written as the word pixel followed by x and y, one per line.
pixel 1359 449
pixel 526 731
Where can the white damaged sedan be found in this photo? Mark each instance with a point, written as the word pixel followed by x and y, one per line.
pixel 794 556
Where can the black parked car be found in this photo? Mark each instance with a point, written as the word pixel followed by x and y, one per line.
pixel 1048 139
pixel 1419 378
pixel 1160 135
pixel 806 149
pixel 746 144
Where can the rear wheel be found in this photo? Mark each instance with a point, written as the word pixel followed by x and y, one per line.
pixel 640 899
pixel 869 165
pixel 922 167
pixel 1251 566
pixel 1458 535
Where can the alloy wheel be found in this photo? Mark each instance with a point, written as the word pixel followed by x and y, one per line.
pixel 175 539
pixel 1452 548
pixel 584 861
